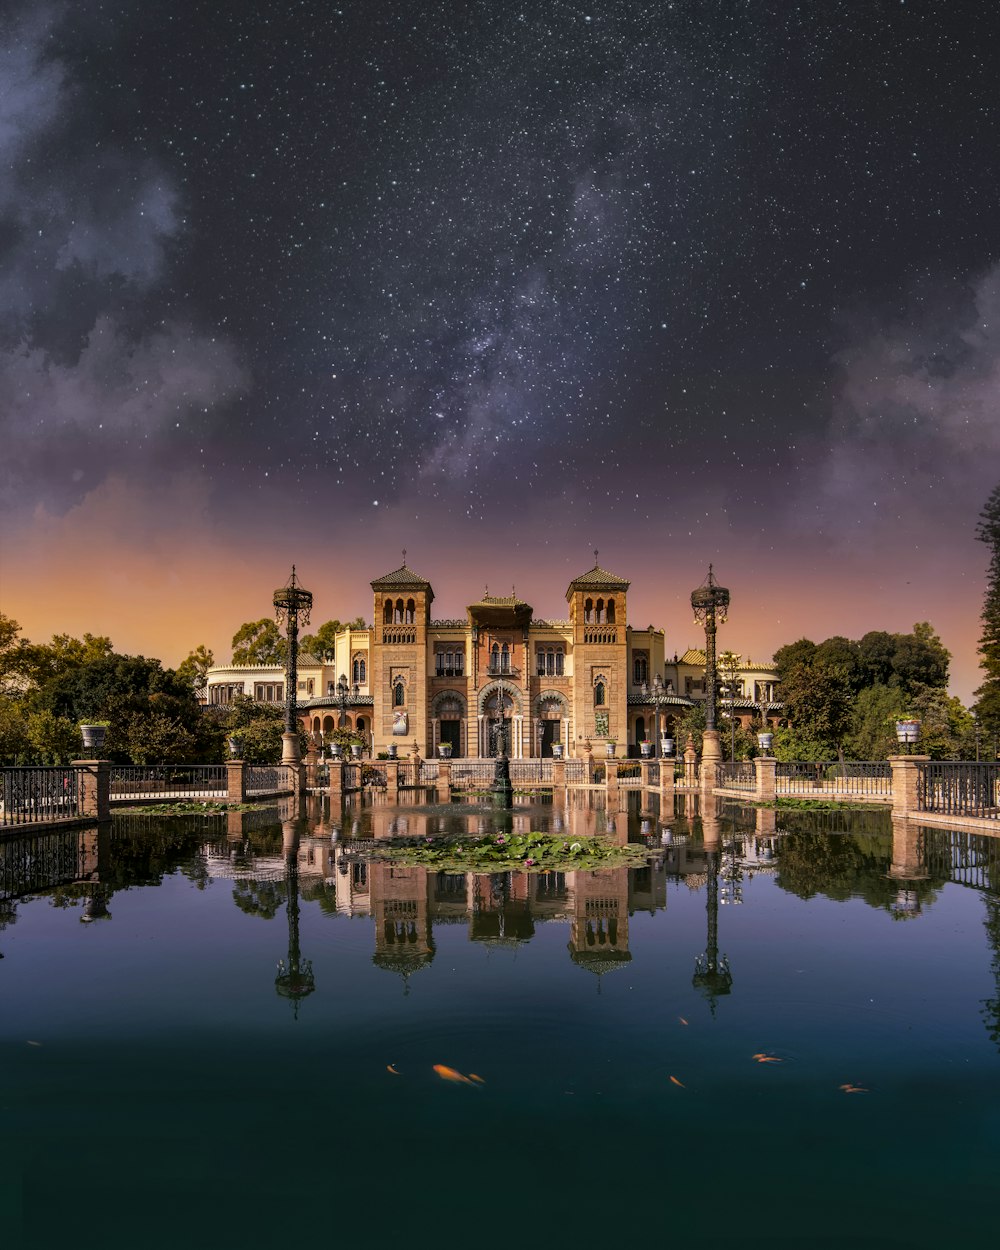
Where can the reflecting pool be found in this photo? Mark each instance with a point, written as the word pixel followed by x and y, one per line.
pixel 223 1030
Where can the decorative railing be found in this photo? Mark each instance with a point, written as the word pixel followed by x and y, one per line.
pixel 576 772
pixel 873 778
pixel 43 858
pixel 352 777
pixel 134 781
pixel 268 779
pixel 501 670
pixel 600 633
pixel 630 773
pixel 737 775
pixel 472 774
pixel 526 772
pixel 959 789
pixel 428 771
pixel 395 634
pixel 30 795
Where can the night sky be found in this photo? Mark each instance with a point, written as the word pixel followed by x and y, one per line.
pixel 501 284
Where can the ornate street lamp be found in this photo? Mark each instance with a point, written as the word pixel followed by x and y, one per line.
pixel 292 605
pixel 710 603
pixel 345 694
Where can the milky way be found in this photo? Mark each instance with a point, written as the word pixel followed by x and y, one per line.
pixel 721 267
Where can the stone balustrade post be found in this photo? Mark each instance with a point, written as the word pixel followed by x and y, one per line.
pixel 95 788
pixel 905 783
pixel 236 786
pixel 690 763
pixel 391 780
pixel 711 759
pixel 336 781
pixel 611 781
pixel 766 769
pixel 647 767
pixel 559 774
pixel 311 765
pixel 444 781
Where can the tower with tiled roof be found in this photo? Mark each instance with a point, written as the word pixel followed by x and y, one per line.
pixel 402 612
pixel 599 618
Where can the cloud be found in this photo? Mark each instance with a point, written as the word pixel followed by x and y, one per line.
pixel 914 439
pixel 86 224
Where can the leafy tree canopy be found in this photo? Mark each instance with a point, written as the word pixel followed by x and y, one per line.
pixel 259 642
pixel 194 669
pixel 322 643
pixel 988 695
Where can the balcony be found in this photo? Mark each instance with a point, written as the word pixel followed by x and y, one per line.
pixel 502 670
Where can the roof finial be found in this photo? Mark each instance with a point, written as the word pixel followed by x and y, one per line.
pixel 596 554
pixel 404 557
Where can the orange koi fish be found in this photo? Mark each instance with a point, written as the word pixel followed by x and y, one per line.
pixel 478 1079
pixel 848 1088
pixel 682 1020
pixel 762 1058
pixel 674 1081
pixel 449 1074
pixel 390 1068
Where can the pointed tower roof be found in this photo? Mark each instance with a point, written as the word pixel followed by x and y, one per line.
pixel 597 579
pixel 402 578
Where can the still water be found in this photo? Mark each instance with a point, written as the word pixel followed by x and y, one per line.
pixel 222 1031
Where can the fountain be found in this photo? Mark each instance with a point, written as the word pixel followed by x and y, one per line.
pixel 501 791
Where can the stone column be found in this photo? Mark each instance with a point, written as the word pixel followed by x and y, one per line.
pixel 336 781
pixel 444 781
pixel 690 762
pixel 95 788
pixel 611 782
pixel 391 780
pixel 311 765
pixel 766 768
pixel 290 753
pixel 711 758
pixel 905 779
pixel 236 787
pixel 667 781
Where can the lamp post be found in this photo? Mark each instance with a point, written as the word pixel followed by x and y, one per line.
pixel 710 603
pixel 292 605
pixel 658 696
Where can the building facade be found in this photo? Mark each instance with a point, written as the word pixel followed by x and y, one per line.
pixel 497 674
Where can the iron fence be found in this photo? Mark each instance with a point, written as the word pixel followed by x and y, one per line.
pixel 46 858
pixel 352 777
pixel 531 772
pixel 261 779
pixel 472 774
pixel 132 781
pixel 576 772
pixel 959 789
pixel 30 795
pixel 855 777
pixel 964 857
pixel 737 775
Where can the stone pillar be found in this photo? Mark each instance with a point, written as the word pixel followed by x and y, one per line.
pixel 690 762
pixel 647 767
pixel 236 786
pixel 95 788
pixel 765 822
pixel 711 758
pixel 904 783
pixel 766 768
pixel 559 774
pixel 391 780
pixel 290 752
pixel 336 781
pixel 444 781
pixel 611 782
pixel 311 765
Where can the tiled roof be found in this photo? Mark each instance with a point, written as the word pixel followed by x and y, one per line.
pixel 401 577
pixel 599 578
pixel 693 656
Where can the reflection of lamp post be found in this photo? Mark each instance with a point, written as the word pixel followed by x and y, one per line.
pixel 658 697
pixel 292 605
pixel 294 980
pixel 711 971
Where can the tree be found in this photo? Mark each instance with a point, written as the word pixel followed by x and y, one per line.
pixel 817 699
pixel 259 642
pixel 195 668
pixel 987 705
pixel 322 644
pixel 919 659
pixel 793 653
pixel 53 739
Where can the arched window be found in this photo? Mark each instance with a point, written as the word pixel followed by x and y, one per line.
pixel 640 669
pixel 588 611
pixel 387 613
pixel 599 694
pixel 398 694
pixel 360 725
pixel 505 659
pixel 559 662
pixel 601 618
pixel 411 612
pixel 358 671
pixel 611 611
pixel 495 658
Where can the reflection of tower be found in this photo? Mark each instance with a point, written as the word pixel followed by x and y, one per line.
pixel 501 909
pixel 711 971
pixel 599 926
pixel 294 980
pixel 404 942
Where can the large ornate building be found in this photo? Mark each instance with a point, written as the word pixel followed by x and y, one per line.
pixel 589 677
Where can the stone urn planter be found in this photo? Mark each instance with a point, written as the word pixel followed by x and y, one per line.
pixel 645 750
pixel 393 751
pixel 335 752
pixel 444 750
pixel 93 736
pixel 666 746
pixel 557 751
pixel 355 750
pixel 610 747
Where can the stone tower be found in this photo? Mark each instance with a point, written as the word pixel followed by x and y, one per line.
pixel 402 613
pixel 598 617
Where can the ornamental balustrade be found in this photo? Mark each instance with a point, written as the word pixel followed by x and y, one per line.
pixel 959 789
pixel 31 795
